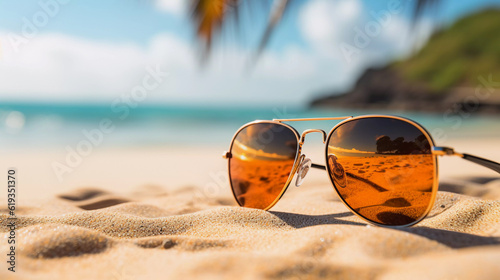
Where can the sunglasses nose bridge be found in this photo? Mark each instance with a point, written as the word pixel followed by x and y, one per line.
pixel 303 164
pixel 307 131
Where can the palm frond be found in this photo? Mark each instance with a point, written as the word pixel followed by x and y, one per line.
pixel 274 18
pixel 420 7
pixel 209 17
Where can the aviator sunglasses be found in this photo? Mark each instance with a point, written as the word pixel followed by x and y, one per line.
pixel 383 168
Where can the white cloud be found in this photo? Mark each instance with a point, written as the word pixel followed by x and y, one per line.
pixel 175 7
pixel 326 23
pixel 67 67
pixel 57 67
pixel 351 38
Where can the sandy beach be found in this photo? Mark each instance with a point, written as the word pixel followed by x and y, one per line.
pixel 168 212
pixel 118 120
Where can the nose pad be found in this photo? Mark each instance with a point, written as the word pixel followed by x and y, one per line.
pixel 305 165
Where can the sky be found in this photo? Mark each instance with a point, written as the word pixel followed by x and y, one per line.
pixel 70 51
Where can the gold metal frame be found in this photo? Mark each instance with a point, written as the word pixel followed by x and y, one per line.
pixel 445 151
pixel 312 119
pixel 435 152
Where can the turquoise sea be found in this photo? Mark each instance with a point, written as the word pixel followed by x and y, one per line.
pixel 35 125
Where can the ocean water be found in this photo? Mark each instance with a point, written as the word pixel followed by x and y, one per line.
pixel 32 125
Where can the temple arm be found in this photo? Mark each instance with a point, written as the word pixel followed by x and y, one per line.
pixel 446 151
pixel 484 162
pixel 318 166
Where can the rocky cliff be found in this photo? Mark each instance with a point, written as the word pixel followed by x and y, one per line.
pixel 458 69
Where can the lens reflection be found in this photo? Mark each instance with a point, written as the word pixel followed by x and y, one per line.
pixel 262 159
pixel 388 169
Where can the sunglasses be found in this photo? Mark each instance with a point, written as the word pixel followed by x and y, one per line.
pixel 383 168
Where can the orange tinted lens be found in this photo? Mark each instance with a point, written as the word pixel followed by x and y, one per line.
pixel 262 160
pixel 383 169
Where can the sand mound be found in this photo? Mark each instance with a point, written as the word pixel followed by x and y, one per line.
pixel 91 199
pixel 55 241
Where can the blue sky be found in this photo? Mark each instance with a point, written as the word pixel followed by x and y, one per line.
pixel 95 51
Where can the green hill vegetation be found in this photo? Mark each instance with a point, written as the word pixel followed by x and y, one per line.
pixel 458 55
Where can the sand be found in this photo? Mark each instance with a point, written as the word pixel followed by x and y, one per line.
pixel 184 224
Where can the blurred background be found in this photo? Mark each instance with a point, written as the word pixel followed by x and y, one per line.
pixel 126 93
